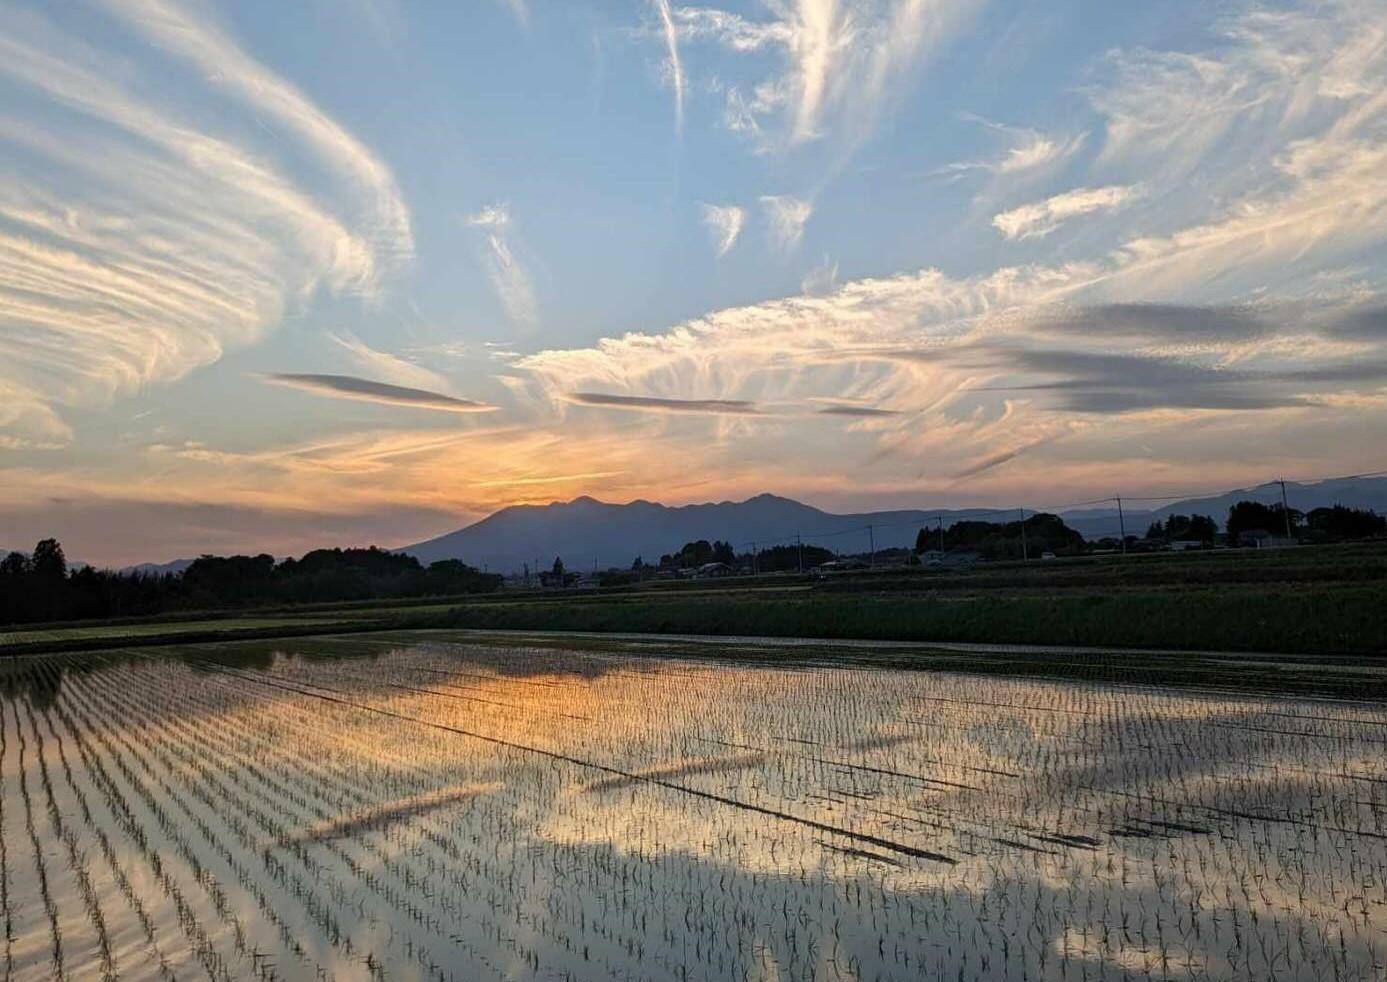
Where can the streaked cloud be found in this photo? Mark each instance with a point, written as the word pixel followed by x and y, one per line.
pixel 994 460
pixel 716 407
pixel 509 277
pixel 724 224
pixel 786 216
pixel 840 64
pixel 848 409
pixel 368 390
pixel 179 29
pixel 390 367
pixel 674 65
pixel 1043 217
pixel 136 245
pixel 1367 323
pixel 1029 151
pixel 1158 322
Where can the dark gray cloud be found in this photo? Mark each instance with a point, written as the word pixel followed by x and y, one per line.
pixel 1158 322
pixel 1096 382
pixel 1364 370
pixel 860 411
pixel 1361 324
pixel 719 407
pixel 367 390
pixel 987 463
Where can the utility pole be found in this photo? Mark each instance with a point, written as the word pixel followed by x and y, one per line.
pixel 1025 551
pixel 1121 524
pixel 800 544
pixel 872 545
pixel 755 560
pixel 1285 508
pixel 940 520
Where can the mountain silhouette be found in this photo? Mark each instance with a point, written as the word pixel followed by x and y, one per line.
pixel 585 531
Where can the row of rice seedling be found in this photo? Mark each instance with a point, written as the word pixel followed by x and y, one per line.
pixel 1071 842
pixel 452 811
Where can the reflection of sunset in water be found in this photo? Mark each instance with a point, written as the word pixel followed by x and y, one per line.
pixel 461 812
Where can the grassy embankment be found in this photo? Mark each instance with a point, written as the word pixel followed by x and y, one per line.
pixel 1312 600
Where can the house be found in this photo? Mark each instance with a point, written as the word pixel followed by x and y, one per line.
pixel 1185 545
pixel 1262 539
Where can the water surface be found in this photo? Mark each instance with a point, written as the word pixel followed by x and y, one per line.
pixel 374 808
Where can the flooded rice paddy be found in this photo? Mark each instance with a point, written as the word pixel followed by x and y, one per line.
pixel 368 809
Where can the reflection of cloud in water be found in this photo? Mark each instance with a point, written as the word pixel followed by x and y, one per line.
pixel 378 817
pixel 677 809
pixel 711 765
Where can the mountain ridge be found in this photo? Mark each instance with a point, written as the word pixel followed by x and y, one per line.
pixel 585 531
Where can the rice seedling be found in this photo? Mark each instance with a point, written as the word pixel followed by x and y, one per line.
pixel 359 809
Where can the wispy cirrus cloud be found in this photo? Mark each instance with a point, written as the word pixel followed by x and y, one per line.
pixel 724 224
pixel 137 245
pixel 384 365
pixel 369 390
pixel 1030 151
pixel 840 64
pixel 674 64
pixel 1043 217
pixel 201 42
pixel 786 216
pixel 509 277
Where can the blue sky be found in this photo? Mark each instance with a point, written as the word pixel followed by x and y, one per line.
pixel 279 275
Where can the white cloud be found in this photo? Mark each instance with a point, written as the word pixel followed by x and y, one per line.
pixel 724 225
pixel 509 277
pixel 673 65
pixel 136 246
pixel 821 280
pixel 1043 217
pixel 787 216
pixel 1310 196
pixel 391 368
pixel 224 64
pixel 841 63
pixel 1037 151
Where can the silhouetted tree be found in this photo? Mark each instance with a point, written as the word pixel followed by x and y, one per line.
pixel 1338 523
pixel 558 566
pixel 14 564
pixel 1199 528
pixel 1003 540
pixel 37 589
pixel 48 562
pixel 1253 516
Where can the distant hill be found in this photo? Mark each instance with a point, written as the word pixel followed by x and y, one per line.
pixel 1368 493
pixel 157 569
pixel 584 531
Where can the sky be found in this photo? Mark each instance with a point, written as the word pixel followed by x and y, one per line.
pixel 278 276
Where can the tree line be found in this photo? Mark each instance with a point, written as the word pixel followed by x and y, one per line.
pixel 1249 523
pixel 41 587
